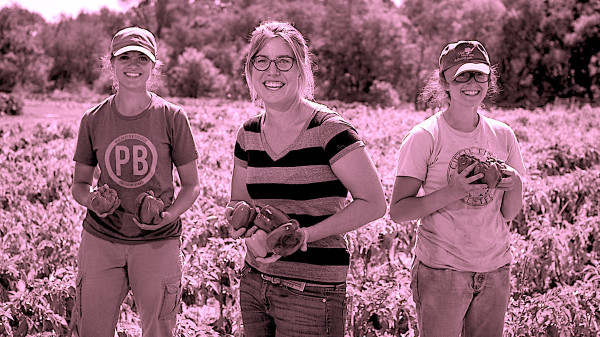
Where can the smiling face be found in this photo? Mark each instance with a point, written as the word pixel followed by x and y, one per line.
pixel 132 70
pixel 276 88
pixel 470 93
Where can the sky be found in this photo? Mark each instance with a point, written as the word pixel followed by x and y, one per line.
pixel 51 9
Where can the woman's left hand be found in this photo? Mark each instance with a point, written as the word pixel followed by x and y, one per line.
pixel 274 257
pixel 511 180
pixel 166 218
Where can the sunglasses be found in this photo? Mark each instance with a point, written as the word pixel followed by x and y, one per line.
pixel 466 77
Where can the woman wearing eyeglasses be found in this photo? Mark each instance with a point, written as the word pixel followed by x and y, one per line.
pixel 301 158
pixel 460 275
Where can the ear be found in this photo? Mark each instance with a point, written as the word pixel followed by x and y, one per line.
pixel 445 83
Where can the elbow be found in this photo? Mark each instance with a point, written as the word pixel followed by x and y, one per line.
pixel 395 214
pixel 398 215
pixel 196 191
pixel 379 208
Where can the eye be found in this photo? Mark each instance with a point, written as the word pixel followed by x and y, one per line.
pixel 481 77
pixel 463 77
pixel 144 58
pixel 123 57
pixel 260 60
pixel 284 61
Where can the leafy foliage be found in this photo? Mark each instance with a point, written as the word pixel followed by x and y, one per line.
pixel 376 52
pixel 195 75
pixel 556 238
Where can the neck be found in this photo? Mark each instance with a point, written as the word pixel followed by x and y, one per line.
pixel 463 119
pixel 132 103
pixel 295 113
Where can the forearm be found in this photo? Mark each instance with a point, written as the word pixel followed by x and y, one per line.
pixel 185 199
pixel 512 202
pixel 412 208
pixel 81 193
pixel 358 213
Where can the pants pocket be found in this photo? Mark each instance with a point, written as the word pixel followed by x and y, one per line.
pixel 76 312
pixel 414 282
pixel 171 298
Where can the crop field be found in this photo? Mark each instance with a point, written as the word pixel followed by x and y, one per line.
pixel 555 274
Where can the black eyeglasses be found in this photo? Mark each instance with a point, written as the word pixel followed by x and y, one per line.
pixel 282 63
pixel 466 77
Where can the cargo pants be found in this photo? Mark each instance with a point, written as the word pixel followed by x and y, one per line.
pixel 108 270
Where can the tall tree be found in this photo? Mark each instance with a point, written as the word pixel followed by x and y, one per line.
pixel 22 60
pixel 584 43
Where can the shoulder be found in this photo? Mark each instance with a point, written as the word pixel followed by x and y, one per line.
pixel 252 124
pixel 324 117
pixel 159 103
pixel 494 123
pixel 498 127
pixel 428 128
pixel 100 108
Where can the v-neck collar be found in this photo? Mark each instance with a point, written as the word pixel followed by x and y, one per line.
pixel 263 138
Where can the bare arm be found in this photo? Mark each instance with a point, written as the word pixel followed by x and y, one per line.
pixel 190 189
pixel 239 192
pixel 83 177
pixel 357 172
pixel 407 206
pixel 512 201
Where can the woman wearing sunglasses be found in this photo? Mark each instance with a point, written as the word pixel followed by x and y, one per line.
pixel 301 158
pixel 460 275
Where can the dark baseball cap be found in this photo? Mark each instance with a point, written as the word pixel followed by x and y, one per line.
pixel 461 56
pixel 134 39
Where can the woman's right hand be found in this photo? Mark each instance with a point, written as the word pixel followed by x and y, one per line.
pixel 461 185
pixel 242 231
pixel 99 203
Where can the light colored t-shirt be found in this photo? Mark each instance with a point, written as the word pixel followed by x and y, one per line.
pixel 135 154
pixel 469 234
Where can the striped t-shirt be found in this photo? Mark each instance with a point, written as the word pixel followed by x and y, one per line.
pixel 300 182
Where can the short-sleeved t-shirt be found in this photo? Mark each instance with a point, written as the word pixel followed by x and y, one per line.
pixel 469 234
pixel 135 154
pixel 300 182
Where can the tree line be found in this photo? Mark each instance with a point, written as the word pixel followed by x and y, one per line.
pixel 373 51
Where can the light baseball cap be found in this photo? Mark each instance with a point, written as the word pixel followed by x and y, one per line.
pixel 459 57
pixel 134 39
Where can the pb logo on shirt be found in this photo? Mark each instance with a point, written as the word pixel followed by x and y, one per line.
pixel 131 160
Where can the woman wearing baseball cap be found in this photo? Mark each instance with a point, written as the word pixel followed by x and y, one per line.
pixel 132 228
pixel 460 275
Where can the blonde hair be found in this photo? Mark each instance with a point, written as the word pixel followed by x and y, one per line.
pixel 268 30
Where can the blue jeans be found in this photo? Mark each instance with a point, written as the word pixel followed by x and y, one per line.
pixel 449 302
pixel 270 309
pixel 106 272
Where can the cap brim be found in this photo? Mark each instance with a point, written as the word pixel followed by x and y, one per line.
pixel 135 48
pixel 459 69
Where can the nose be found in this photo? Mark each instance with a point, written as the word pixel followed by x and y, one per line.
pixel 272 68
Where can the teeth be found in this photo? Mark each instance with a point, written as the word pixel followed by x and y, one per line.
pixel 273 84
pixel 133 74
pixel 471 92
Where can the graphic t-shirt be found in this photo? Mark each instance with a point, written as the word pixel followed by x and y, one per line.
pixel 135 154
pixel 300 182
pixel 469 234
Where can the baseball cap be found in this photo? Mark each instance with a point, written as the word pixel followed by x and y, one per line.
pixel 134 39
pixel 461 56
